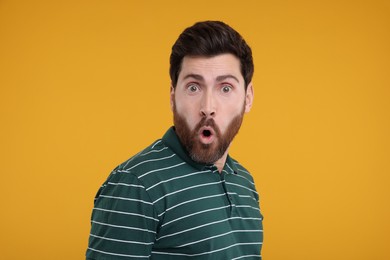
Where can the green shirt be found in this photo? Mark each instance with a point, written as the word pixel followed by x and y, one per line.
pixel 162 205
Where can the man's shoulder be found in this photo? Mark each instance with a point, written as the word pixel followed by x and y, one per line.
pixel 241 170
pixel 154 164
pixel 150 158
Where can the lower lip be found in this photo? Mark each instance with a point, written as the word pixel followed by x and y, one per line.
pixel 206 139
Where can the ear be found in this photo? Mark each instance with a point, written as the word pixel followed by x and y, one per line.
pixel 172 97
pixel 249 97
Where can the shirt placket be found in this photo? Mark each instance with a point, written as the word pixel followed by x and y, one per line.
pixel 224 175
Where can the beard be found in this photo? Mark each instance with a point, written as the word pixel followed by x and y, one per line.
pixel 201 152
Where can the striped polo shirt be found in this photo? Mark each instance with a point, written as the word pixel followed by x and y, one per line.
pixel 162 205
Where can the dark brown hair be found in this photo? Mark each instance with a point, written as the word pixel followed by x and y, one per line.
pixel 208 39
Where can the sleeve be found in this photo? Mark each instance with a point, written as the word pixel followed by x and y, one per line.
pixel 124 221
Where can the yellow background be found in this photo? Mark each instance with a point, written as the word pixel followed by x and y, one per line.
pixel 84 85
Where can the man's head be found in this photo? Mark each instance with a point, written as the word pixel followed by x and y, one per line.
pixel 208 39
pixel 211 71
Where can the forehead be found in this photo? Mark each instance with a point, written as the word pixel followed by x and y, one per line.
pixel 211 67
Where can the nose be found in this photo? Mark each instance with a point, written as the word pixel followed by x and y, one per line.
pixel 207 108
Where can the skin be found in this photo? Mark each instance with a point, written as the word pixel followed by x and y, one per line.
pixel 211 88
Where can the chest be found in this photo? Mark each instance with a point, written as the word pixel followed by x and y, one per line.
pixel 209 212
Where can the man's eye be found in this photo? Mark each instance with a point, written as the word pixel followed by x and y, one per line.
pixel 226 89
pixel 193 88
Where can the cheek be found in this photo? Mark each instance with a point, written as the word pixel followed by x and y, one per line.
pixel 187 114
pixel 187 107
pixel 225 124
pixel 228 115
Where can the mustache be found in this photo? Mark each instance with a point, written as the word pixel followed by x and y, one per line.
pixel 209 122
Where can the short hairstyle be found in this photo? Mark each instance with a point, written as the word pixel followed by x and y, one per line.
pixel 208 39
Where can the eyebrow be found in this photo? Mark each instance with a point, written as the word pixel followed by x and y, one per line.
pixel 194 76
pixel 223 77
pixel 219 78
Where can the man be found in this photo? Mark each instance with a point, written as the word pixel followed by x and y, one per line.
pixel 184 196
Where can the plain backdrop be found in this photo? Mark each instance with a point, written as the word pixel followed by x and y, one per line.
pixel 84 85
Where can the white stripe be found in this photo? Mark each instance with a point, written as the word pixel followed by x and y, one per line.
pixel 220 235
pixel 230 168
pixel 239 175
pixel 190 229
pixel 242 170
pixel 126 213
pixel 188 188
pixel 131 159
pixel 120 171
pixel 125 184
pixel 162 169
pixel 193 214
pixel 242 196
pixel 175 178
pixel 235 184
pixel 124 227
pixel 209 252
pixel 189 201
pixel 247 206
pixel 154 151
pixel 157 142
pixel 245 256
pixel 122 198
pixel 151 160
pixel 122 241
pixel 109 253
pixel 245 179
pixel 205 225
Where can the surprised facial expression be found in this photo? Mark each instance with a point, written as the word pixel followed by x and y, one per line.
pixel 208 105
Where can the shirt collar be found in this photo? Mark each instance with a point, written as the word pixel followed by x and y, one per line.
pixel 171 139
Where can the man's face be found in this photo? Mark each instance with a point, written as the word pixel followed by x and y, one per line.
pixel 208 105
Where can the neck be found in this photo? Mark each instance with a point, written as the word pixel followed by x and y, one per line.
pixel 220 163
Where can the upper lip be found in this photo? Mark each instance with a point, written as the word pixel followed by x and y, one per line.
pixel 208 128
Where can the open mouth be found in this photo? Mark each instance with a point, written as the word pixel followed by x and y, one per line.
pixel 206 133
